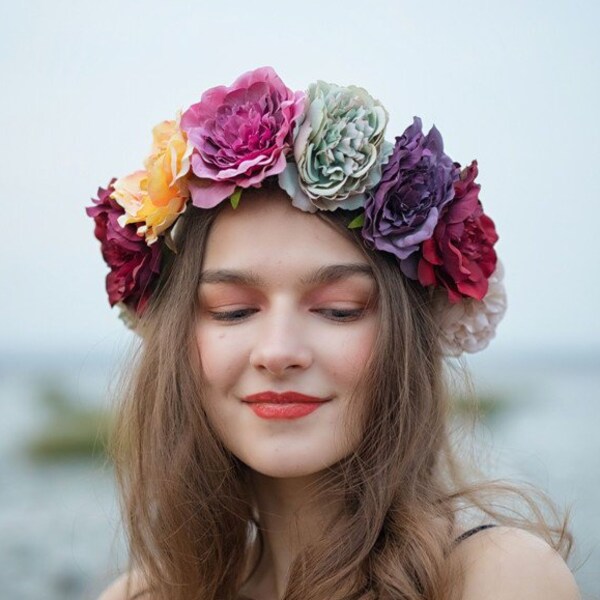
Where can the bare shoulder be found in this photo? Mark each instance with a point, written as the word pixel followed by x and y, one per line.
pixel 118 589
pixel 503 563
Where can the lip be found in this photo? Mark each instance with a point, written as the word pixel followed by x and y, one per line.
pixel 284 410
pixel 289 397
pixel 284 405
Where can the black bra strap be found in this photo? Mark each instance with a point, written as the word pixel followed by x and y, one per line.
pixel 469 533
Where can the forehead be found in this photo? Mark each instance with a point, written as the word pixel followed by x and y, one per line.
pixel 269 233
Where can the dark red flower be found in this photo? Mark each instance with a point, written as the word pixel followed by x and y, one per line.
pixel 460 255
pixel 134 266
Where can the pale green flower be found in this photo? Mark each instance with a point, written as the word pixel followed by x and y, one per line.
pixel 339 149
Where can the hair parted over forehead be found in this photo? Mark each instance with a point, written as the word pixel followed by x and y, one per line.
pixel 326 148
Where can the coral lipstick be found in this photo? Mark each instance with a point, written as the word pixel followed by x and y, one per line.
pixel 284 411
pixel 286 405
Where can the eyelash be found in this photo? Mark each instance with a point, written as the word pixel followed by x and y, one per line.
pixel 348 315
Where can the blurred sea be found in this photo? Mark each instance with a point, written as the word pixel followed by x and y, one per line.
pixel 59 522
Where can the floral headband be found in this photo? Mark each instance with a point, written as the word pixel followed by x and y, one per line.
pixel 328 151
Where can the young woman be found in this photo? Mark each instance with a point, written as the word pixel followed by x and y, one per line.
pixel 285 432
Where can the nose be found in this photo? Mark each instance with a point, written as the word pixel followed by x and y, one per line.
pixel 280 346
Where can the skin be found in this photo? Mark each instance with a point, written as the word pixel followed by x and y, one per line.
pixel 288 336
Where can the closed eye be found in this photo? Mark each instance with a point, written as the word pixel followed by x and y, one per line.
pixel 334 314
pixel 338 314
pixel 232 315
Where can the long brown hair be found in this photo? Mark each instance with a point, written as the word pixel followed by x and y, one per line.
pixel 192 530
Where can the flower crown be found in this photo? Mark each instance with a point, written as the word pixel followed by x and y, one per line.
pixel 327 148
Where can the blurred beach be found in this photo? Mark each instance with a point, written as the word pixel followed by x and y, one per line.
pixel 59 522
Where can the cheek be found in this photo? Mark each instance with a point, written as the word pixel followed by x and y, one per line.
pixel 219 355
pixel 351 353
pixel 349 371
pixel 219 360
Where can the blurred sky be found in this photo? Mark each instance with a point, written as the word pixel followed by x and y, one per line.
pixel 514 84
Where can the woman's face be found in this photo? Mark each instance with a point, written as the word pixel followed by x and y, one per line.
pixel 278 314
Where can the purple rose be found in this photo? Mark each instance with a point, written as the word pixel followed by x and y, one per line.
pixel 241 134
pixel 416 183
pixel 134 265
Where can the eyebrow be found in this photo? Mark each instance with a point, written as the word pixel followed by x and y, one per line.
pixel 325 274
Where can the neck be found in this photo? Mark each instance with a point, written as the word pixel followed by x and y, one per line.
pixel 289 521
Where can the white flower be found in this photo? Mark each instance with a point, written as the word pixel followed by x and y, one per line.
pixel 468 326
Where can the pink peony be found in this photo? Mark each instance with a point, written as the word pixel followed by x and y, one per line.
pixel 240 134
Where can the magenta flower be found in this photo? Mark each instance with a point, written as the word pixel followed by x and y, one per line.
pixel 460 254
pixel 240 134
pixel 134 266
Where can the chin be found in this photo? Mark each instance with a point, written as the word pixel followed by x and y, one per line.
pixel 283 471
pixel 291 462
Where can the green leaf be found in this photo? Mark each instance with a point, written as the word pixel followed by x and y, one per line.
pixel 235 197
pixel 357 222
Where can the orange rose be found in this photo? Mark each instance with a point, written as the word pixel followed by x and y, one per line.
pixel 156 196
pixel 168 163
pixel 131 193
